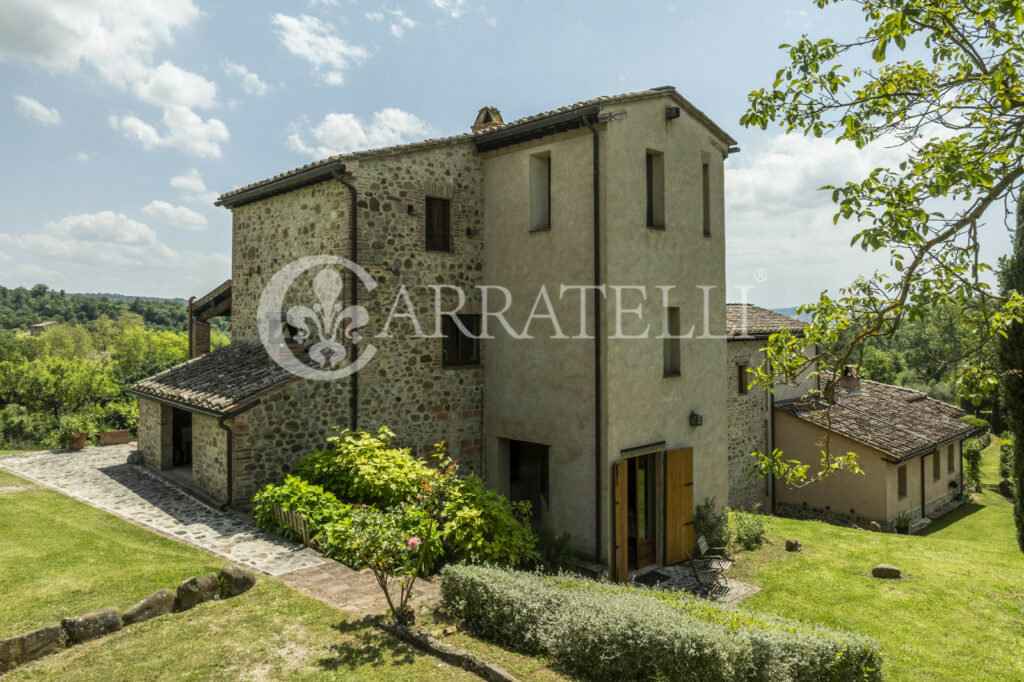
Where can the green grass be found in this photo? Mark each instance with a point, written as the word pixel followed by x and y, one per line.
pixel 7 480
pixel 958 615
pixel 268 633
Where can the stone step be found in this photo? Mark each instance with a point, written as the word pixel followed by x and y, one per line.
pixel 919 525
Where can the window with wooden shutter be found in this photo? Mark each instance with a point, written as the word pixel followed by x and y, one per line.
pixel 457 348
pixel 439 232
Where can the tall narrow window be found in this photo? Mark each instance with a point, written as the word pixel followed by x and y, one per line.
pixel 673 366
pixel 457 348
pixel 902 481
pixel 705 185
pixel 540 192
pixel 741 377
pixel 439 226
pixel 950 463
pixel 936 468
pixel 655 189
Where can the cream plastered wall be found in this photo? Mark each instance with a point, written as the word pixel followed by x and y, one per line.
pixel 642 405
pixel 866 495
pixel 541 390
pixel 936 491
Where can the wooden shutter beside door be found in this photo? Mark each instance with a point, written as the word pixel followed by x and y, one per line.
pixel 678 504
pixel 620 483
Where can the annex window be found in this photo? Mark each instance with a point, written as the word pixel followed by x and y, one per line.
pixel 655 189
pixel 458 349
pixel 672 350
pixel 902 480
pixel 705 185
pixel 439 224
pixel 936 465
pixel 540 192
pixel 950 462
pixel 741 378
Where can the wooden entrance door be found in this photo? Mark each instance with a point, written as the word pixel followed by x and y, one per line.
pixel 678 505
pixel 634 514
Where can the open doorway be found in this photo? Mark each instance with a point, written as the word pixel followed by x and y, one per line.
pixel 528 478
pixel 181 447
pixel 640 512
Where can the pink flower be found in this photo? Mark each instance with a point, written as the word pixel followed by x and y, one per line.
pixel 414 542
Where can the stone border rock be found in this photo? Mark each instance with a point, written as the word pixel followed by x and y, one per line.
pixel 21 649
pixel 447 652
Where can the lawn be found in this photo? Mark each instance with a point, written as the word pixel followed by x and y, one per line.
pixel 958 615
pixel 7 480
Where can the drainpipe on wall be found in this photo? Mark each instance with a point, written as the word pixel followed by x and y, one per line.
pixel 231 438
pixel 921 462
pixel 353 351
pixel 598 442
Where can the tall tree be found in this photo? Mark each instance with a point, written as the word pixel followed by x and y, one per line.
pixel 948 89
pixel 1011 357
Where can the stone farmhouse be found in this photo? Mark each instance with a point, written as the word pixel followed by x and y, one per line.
pixel 612 438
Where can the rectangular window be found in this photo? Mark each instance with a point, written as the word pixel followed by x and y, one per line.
pixel 439 226
pixel 706 198
pixel 741 377
pixel 936 466
pixel 458 349
pixel 671 349
pixel 540 192
pixel 950 462
pixel 902 476
pixel 655 189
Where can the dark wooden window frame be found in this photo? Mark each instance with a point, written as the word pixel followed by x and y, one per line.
pixel 706 197
pixel 950 460
pixel 457 349
pixel 741 378
pixel 901 481
pixel 438 230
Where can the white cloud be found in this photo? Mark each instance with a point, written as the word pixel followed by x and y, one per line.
pixel 81 156
pixel 314 41
pixel 192 188
pixel 118 38
pixel 250 82
pixel 453 8
pixel 374 16
pixel 779 225
pixel 400 23
pixel 183 129
pixel 178 216
pixel 492 22
pixel 341 133
pixel 32 108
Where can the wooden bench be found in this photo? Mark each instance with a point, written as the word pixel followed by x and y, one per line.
pixel 293 521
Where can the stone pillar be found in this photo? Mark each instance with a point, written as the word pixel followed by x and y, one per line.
pixel 199 339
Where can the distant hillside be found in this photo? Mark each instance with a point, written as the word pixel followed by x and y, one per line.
pixel 21 307
pixel 791 312
pixel 129 299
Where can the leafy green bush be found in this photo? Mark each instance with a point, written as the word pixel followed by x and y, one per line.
pixel 483 526
pixel 319 507
pixel 1005 459
pixel 972 463
pixel 20 428
pixel 554 553
pixel 644 634
pixel 119 414
pixel 71 426
pixel 747 530
pixel 363 468
pixel 711 523
pixel 368 537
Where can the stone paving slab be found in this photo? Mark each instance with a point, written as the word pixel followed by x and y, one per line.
pixel 354 591
pixel 101 477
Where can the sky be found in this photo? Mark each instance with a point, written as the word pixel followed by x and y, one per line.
pixel 123 120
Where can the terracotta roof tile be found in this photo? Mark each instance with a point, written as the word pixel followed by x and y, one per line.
pixel 898 421
pixel 744 319
pixel 219 381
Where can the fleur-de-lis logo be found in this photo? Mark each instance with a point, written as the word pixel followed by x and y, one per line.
pixel 327 316
pixel 332 326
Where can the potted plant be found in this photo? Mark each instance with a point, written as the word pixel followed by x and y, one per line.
pixel 902 522
pixel 74 430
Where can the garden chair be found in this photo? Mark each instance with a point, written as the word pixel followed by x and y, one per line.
pixel 714 558
pixel 709 583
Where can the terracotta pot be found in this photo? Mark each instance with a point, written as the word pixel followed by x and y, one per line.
pixel 115 437
pixel 78 443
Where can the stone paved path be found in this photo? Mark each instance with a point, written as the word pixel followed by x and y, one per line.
pixel 102 478
pixel 354 591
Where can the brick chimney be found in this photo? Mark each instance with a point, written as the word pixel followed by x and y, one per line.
pixel 849 379
pixel 488 117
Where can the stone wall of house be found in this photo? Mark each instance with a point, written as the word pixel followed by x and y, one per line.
pixel 155 433
pixel 209 457
pixel 405 386
pixel 749 428
pixel 796 511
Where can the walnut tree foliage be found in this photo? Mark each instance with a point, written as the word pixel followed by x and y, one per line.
pixel 1011 357
pixel 947 88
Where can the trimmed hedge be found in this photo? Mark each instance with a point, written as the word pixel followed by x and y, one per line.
pixel 602 631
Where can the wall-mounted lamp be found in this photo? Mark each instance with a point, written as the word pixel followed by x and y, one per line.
pixel 672 112
pixel 696 419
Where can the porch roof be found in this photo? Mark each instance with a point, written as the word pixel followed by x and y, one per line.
pixel 744 320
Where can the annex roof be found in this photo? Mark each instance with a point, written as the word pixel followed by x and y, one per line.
pixel 747 320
